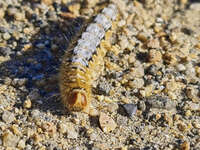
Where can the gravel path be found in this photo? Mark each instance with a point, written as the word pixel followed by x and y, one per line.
pixel 147 98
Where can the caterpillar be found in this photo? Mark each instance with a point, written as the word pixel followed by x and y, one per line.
pixel 80 64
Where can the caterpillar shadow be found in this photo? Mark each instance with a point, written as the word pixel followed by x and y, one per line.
pixel 38 66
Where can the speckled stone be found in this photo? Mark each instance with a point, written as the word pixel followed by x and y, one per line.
pixel 107 124
pixel 8 117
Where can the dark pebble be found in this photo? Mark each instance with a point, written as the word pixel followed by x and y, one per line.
pixel 130 109
pixel 5 51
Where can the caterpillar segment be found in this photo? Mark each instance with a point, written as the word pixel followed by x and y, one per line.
pixel 82 64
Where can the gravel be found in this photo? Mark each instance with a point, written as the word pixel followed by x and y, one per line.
pixel 152 63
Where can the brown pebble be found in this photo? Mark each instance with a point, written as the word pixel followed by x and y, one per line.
pixel 142 37
pixel 185 146
pixel 107 124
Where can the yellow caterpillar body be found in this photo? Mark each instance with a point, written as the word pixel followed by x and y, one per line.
pixel 81 64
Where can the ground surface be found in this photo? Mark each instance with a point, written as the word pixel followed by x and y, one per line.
pixel 155 65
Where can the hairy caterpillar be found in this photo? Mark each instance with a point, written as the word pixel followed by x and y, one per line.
pixel 80 64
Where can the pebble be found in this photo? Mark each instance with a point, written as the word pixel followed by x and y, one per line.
pixel 2 13
pixel 62 128
pixel 12 11
pixel 6 36
pixel 40 45
pixel 71 132
pixel 136 83
pixel 185 146
pixel 154 43
pixel 27 103
pixel 142 37
pixel 5 51
pixel 130 109
pixel 154 56
pixel 161 103
pixel 196 124
pixel 103 88
pixel 112 107
pixel 8 117
pixel 107 124
pixel 192 93
pixel 9 140
pixel 21 144
pixel 180 67
pixel 19 16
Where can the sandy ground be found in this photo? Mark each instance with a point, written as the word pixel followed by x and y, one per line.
pixel 148 93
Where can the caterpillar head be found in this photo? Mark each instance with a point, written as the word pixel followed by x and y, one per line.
pixel 78 100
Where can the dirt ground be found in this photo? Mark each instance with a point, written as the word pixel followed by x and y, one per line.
pixel 148 93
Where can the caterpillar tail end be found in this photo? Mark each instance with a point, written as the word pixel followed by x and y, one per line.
pixel 78 100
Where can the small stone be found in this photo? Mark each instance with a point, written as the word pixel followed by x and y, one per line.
pixel 154 43
pixel 103 88
pixel 91 3
pixel 19 16
pixel 192 93
pixel 180 67
pixel 34 95
pixel 75 8
pixel 6 36
pixel 136 83
pixel 47 2
pixel 196 124
pixel 8 117
pixel 21 144
pixel 185 146
pixel 15 129
pixel 50 128
pixel 107 124
pixel 9 140
pixel 130 109
pixel 5 51
pixel 2 13
pixel 35 114
pixel 184 2
pixel 192 106
pixel 71 132
pixel 93 112
pixel 37 138
pixel 161 102
pixel 62 128
pixel 12 11
pixel 154 56
pixel 27 103
pixel 40 45
pixel 121 23
pixel 112 107
pixel 182 126
pixel 169 58
pixel 142 37
pixel 188 113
